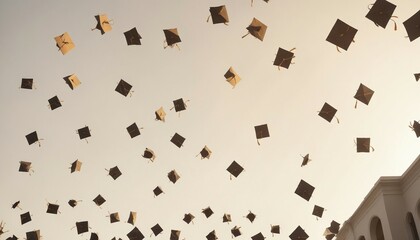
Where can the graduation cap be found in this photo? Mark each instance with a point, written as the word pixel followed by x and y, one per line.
pixel 412 26
pixel 2 227
pixel 114 172
pixel 334 227
pixel 381 12
pixel 25 218
pixel 188 217
pixel 251 217
pixel 212 235
pixel 157 191
pixel 256 29
pixel 25 166
pixel 123 87
pixel 149 154
pixel 33 138
pixel 327 112
pixel 157 229
pixel 284 58
pixel 227 218
pixel 363 94
pixel 416 128
pixel 16 205
pixel 219 14
pixel 261 131
pixel 298 234
pixel 173 176
pixel 175 235
pixel 363 145
pixel 135 234
pixel 94 236
pixel 114 217
pixel 275 229
pixel 132 37
pixel 103 24
pixel 84 132
pixel 178 140
pixel 133 130
pixel 341 35
pixel 205 152
pixel 99 200
pixel 171 37
pixel 72 80
pixel 305 160
pixel 236 231
pixel 258 236
pixel 132 218
pixel 232 77
pixel 27 83
pixel 76 166
pixel 417 76
pixel 52 208
pixel 318 211
pixel 235 169
pixel 304 190
pixel 160 114
pixel 82 227
pixel 73 203
pixel 179 105
pixel 33 235
pixel 252 2
pixel 207 212
pixel 12 238
pixel 64 43
pixel 54 102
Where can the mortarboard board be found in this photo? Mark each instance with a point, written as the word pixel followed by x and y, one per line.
pixel 212 235
pixel 123 87
pixel 135 234
pixel 160 114
pixel 219 14
pixel 133 130
pixel 178 140
pixel 363 144
pixel 32 138
pixel 232 77
pixel 16 205
pixel 207 212
pixel 381 12
pixel 171 37
pixel 179 105
pixel 188 218
pixel 173 176
pixel 24 166
pixel 64 43
pixel 236 231
pixel 103 24
pixel 305 160
pixel 114 172
pixel 25 218
pixel 412 26
pixel 256 29
pixel 227 218
pixel 12 238
pixel 84 132
pixel 318 211
pixel 99 200
pixel 275 229
pixel 27 83
pixel 327 112
pixel 298 234
pixel 72 203
pixel 157 191
pixel 72 80
pixel 76 166
pixel 235 169
pixel 341 35
pixel 261 131
pixel 417 76
pixel 94 236
pixel 258 236
pixel 149 154
pixel 416 128
pixel 33 235
pixel 251 217
pixel 82 227
pixel 304 190
pixel 52 208
pixel 132 218
pixel 114 217
pixel 284 58
pixel 157 229
pixel 175 235
pixel 132 37
pixel 205 153
pixel 334 227
pixel 363 94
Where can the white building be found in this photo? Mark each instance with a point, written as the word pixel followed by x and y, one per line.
pixel 390 211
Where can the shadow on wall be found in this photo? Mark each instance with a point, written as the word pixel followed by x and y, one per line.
pixel 376 231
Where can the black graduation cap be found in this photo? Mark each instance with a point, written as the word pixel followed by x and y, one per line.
pixel 84 132
pixel 72 203
pixel 27 83
pixel 327 112
pixel 157 191
pixel 25 218
pixel 33 235
pixel 284 58
pixel 364 94
pixel 412 26
pixel 205 153
pixel 16 205
pixel 103 24
pixel 298 234
pixel 175 235
pixel 135 234
pixel 275 229
pixel 123 87
pixel 54 102
pixel 417 76
pixel 219 14
pixel 188 217
pixel 76 166
pixel 114 172
pixel 132 37
pixel 381 12
pixel 363 145
pixel 157 229
pixel 251 217
pixel 173 176
pixel 207 212
pixel 24 166
pixel 212 235
pixel 416 128
pixel 318 211
pixel 132 218
pixel 256 29
pixel 236 231
pixel 99 200
pixel 172 36
pixel 133 130
pixel 94 236
pixel 258 236
pixel 114 217
pixel 52 208
pixel 341 35
pixel 82 227
pixel 235 169
pixel 304 190
pixel 305 160
pixel 261 131
pixel 149 154
pixel 334 227
pixel 179 105
pixel 227 218
pixel 12 238
pixel 178 140
pixel 32 138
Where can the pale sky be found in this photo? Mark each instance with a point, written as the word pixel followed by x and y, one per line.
pixel 217 115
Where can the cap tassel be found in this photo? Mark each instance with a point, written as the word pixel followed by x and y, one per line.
pixel 208 18
pixel 338 50
pixel 373 149
pixel 370 6
pixel 395 23
pixel 165 45
pixel 258 142
pixel 338 120
pixel 355 105
pixel 245 35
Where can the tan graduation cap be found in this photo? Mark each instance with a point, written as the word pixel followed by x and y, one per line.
pixel 76 166
pixel 103 24
pixel 72 80
pixel 232 77
pixel 132 218
pixel 64 43
pixel 256 29
pixel 160 114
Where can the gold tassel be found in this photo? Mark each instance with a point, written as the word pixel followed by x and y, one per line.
pixel 208 18
pixel 245 35
pixel 338 49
